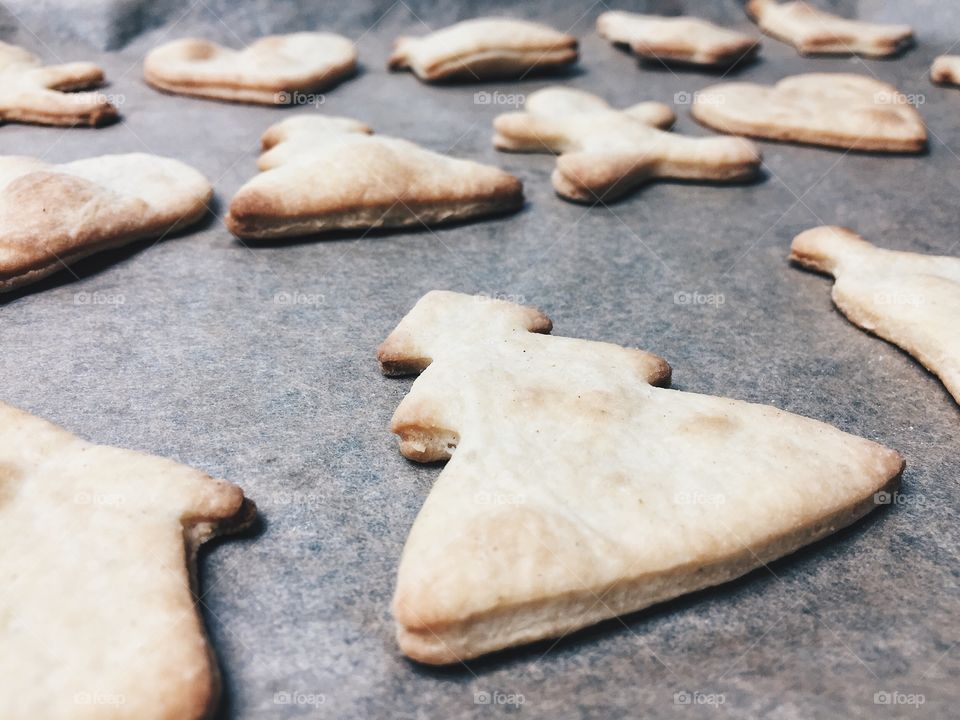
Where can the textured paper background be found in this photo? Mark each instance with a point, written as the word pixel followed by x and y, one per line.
pixel 205 361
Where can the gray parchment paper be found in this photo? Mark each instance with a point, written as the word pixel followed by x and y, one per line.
pixel 258 365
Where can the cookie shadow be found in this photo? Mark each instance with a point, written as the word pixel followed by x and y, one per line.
pixel 878 154
pixel 224 709
pixel 567 72
pixel 897 54
pixel 376 233
pixel 632 622
pixel 720 70
pixel 98 262
pixel 758 178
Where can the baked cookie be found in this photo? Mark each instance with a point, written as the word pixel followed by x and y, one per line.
pixel 686 40
pixel 326 173
pixel 905 298
pixel 946 70
pixel 33 93
pixel 816 32
pixel 578 489
pixel 607 153
pixel 484 48
pixel 853 112
pixel 275 70
pixel 99 566
pixel 53 215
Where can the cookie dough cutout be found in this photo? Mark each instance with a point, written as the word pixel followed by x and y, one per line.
pixel 31 92
pixel 682 40
pixel 579 489
pixel 54 215
pixel 908 299
pixel 99 567
pixel 483 49
pixel 606 153
pixel 325 173
pixel 816 32
pixel 274 70
pixel 946 70
pixel 840 110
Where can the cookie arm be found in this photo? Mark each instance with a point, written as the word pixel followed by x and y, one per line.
pixel 69 76
pixel 399 59
pixel 707 158
pixel 653 114
pixel 526 132
pixel 945 70
pixel 756 8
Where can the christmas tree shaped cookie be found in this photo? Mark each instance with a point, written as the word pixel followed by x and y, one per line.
pixel 97 554
pixel 484 49
pixel 909 299
pixel 813 31
pixel 329 173
pixel 579 488
pixel 689 40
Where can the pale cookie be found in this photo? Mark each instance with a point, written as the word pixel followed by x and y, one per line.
pixel 905 298
pixel 484 48
pixel 577 490
pixel 324 173
pixel 275 70
pixel 677 39
pixel 946 70
pixel 853 112
pixel 607 153
pixel 33 93
pixel 53 215
pixel 98 561
pixel 816 32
